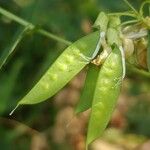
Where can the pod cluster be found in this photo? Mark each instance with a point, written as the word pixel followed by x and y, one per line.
pixel 104 51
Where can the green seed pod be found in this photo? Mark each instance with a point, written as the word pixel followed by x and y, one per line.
pixel 67 65
pixel 114 22
pixel 106 94
pixel 113 37
pixel 85 101
pixel 113 31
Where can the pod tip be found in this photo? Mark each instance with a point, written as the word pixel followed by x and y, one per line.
pixel 13 110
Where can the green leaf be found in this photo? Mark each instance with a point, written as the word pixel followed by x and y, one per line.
pixel 66 66
pixel 12 46
pixel 105 95
pixel 85 101
pixel 148 52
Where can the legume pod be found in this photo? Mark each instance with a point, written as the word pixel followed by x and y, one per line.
pixel 106 94
pixel 67 65
pixel 86 98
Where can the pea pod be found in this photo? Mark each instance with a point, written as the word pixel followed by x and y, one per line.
pixel 67 65
pixel 113 37
pixel 106 93
pixel 86 98
pixel 113 31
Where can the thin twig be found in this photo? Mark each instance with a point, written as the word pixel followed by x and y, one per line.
pixel 138 71
pixel 130 14
pixel 26 23
pixel 142 6
pixel 132 8
pixel 129 22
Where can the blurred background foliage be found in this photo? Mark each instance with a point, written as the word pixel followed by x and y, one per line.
pixel 52 124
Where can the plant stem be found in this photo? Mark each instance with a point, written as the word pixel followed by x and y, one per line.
pixel 142 6
pixel 132 8
pixel 129 22
pixel 138 71
pixel 130 14
pixel 31 26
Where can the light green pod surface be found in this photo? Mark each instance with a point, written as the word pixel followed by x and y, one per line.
pixel 106 94
pixel 86 98
pixel 113 36
pixel 114 22
pixel 113 31
pixel 66 66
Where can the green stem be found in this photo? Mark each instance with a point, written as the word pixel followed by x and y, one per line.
pixel 123 14
pixel 132 8
pixel 26 23
pixel 142 6
pixel 129 22
pixel 138 71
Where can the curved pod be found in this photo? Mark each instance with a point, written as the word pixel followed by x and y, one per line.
pixel 106 94
pixel 85 101
pixel 66 66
